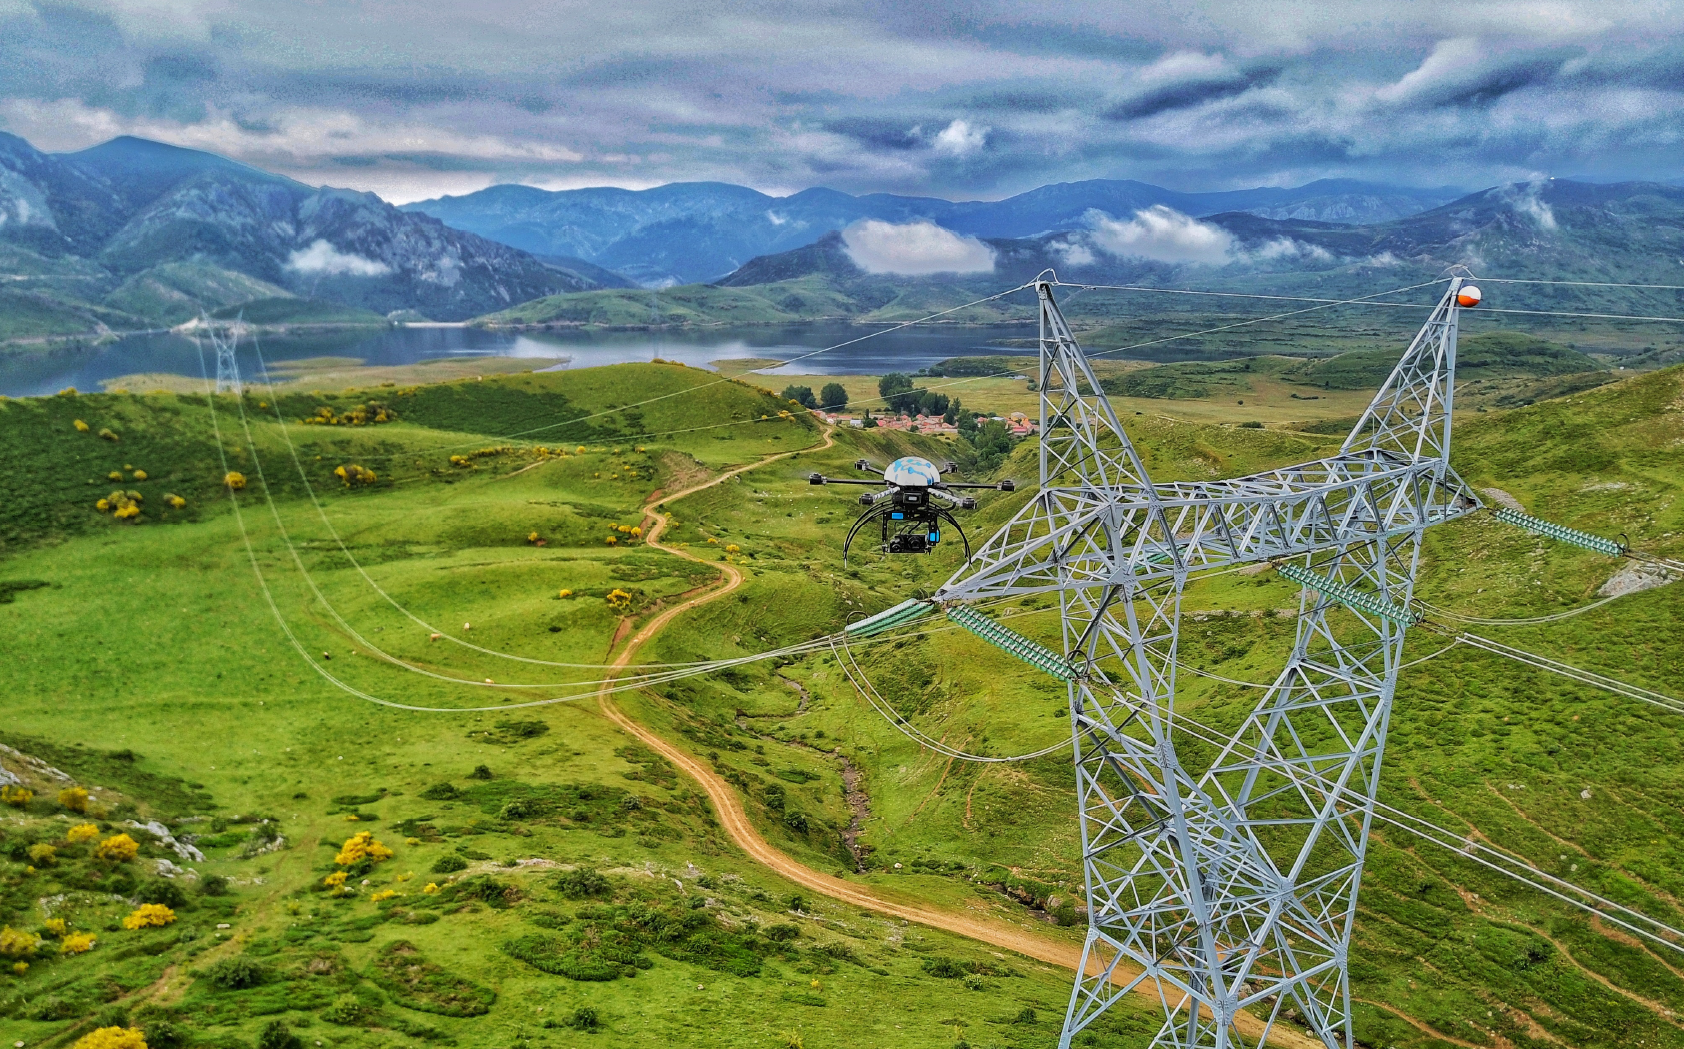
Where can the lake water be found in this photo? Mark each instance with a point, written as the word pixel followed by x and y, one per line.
pixel 36 374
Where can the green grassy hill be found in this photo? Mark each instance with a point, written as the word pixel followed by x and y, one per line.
pixel 147 665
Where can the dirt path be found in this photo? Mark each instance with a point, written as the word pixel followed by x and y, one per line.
pixel 734 818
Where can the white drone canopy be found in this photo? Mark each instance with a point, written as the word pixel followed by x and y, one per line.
pixel 911 470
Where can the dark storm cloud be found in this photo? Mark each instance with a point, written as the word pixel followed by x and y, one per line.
pixel 1191 92
pixel 979 98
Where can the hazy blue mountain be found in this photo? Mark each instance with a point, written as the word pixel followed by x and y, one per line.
pixel 131 207
pixel 688 232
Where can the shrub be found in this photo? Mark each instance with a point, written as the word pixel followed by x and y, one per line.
pixel 42 855
pixel 115 475
pixel 81 832
pixel 346 1010
pixel 583 1019
pixel 119 847
pixel 566 593
pixel 440 792
pixel 74 798
pixel 582 883
pixel 276 1035
pixel 483 771
pixel 783 932
pixel 111 1038
pixel 233 974
pixel 162 891
pixel 449 864
pixel 109 435
pixel 946 968
pixel 149 915
pixel 383 895
pixel 76 943
pixel 234 479
pixel 15 943
pixel 213 885
pixel 16 797
pixel 354 474
pixel 175 501
pixel 362 846
pixel 618 600
pixel 140 475
pixel 81 427
pixel 336 880
pixel 519 809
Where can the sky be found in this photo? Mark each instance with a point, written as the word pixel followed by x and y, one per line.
pixel 974 100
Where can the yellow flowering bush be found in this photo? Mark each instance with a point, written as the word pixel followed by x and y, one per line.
pixel 175 501
pixel 15 943
pixel 112 1038
pixel 149 915
pixel 354 474
pixel 234 479
pixel 74 798
pixel 362 846
pixel 613 540
pixel 430 888
pixel 637 531
pixel 16 797
pixel 334 880
pixel 109 435
pixel 733 548
pixel 102 506
pixel 362 415
pixel 81 832
pixel 581 450
pixel 118 847
pixel 76 943
pixel 56 926
pixel 566 593
pixel 81 427
pixel 619 601
pixel 383 895
pixel 461 460
pixel 42 855
pixel 115 475
pixel 140 475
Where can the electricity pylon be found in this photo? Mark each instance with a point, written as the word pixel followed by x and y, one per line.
pixel 1225 876
pixel 227 368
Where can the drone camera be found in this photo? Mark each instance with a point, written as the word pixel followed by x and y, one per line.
pixel 866 499
pixel 951 467
pixel 967 503
pixel 909 498
pixel 1008 486
pixel 815 478
pixel 862 464
pixel 909 544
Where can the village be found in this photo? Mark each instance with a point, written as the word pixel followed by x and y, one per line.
pixel 1017 423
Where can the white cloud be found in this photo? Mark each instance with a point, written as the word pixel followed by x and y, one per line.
pixel 914 249
pixel 1073 252
pixel 1164 235
pixel 1286 247
pixel 324 259
pixel 1449 60
pixel 960 139
pixel 1526 201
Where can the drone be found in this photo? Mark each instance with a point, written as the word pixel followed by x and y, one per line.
pixel 912 508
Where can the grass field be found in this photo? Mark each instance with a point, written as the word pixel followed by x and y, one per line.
pixel 146 663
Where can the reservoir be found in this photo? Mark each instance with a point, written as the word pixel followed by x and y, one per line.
pixel 813 349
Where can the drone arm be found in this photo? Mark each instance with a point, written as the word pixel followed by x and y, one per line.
pixel 867 498
pixel 1003 486
pixel 822 479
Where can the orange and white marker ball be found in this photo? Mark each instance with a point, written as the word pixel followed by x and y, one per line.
pixel 1468 296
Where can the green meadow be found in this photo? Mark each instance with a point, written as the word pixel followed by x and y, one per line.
pixel 581 890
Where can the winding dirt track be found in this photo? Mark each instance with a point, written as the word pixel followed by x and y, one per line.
pixel 734 818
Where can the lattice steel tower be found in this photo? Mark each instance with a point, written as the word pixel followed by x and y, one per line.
pixel 1224 872
pixel 227 368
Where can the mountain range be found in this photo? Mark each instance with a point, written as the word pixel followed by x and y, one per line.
pixel 699 231
pixel 132 233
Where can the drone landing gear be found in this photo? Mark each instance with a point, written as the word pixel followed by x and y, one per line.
pixel 906 531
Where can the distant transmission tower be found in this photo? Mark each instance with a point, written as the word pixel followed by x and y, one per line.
pixel 1225 876
pixel 227 369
